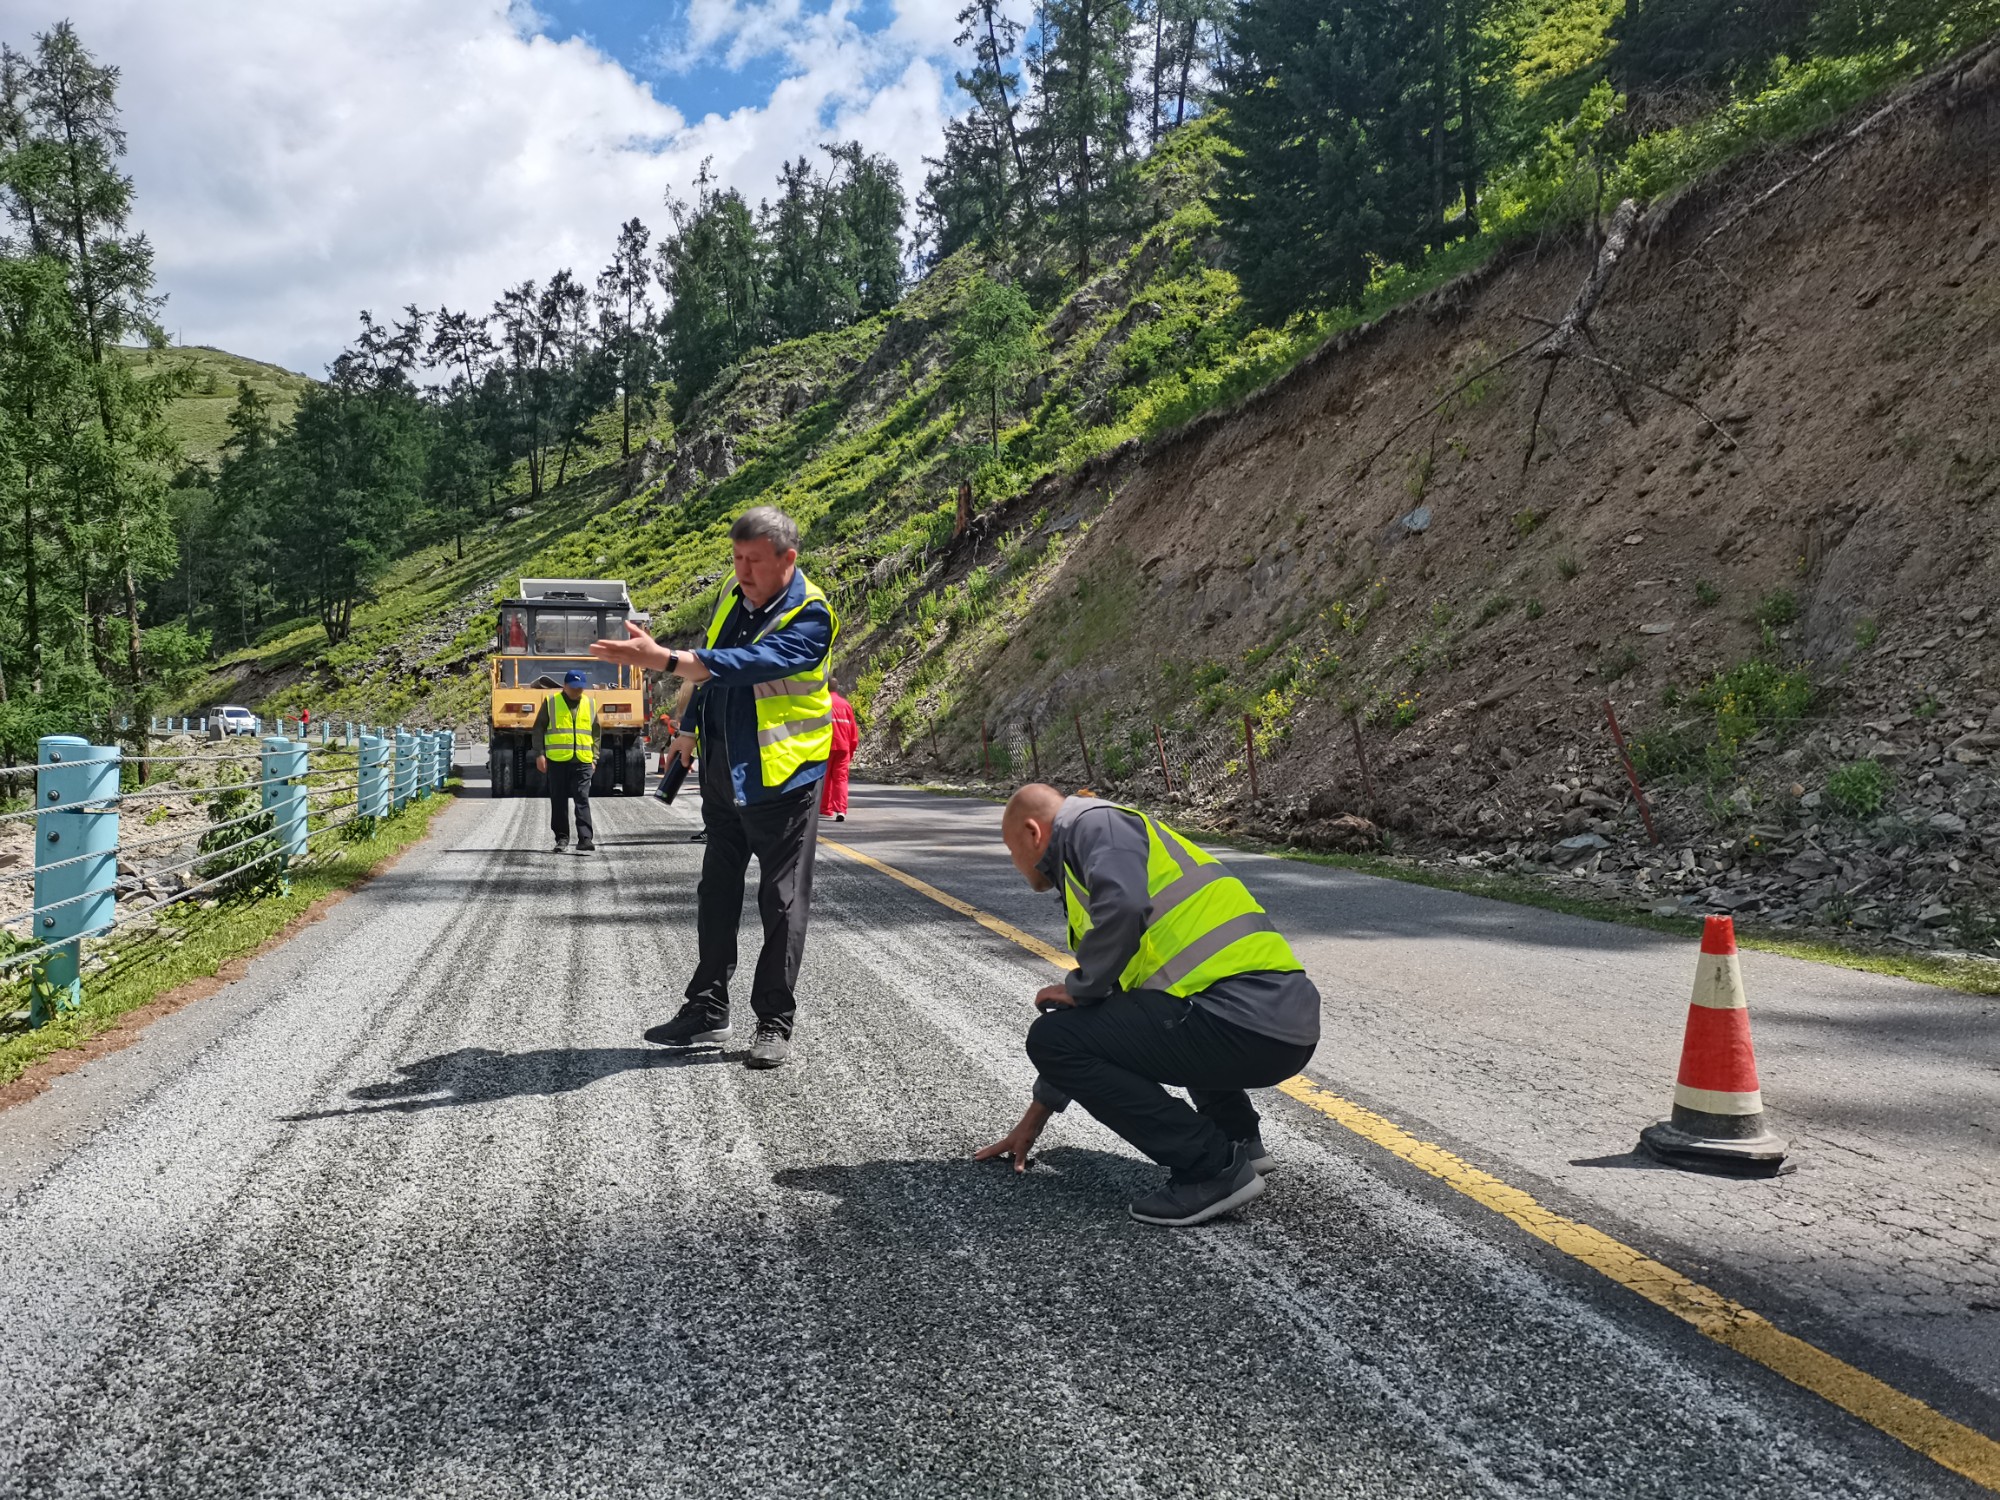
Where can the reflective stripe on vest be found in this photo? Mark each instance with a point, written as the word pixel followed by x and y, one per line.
pixel 571 737
pixel 1202 923
pixel 795 713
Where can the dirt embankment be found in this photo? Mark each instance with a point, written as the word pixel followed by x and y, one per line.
pixel 1782 445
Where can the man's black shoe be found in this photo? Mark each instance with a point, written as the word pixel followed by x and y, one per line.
pixel 1260 1154
pixel 1179 1204
pixel 692 1027
pixel 562 846
pixel 585 846
pixel 770 1048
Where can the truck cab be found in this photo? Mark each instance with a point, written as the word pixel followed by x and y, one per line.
pixel 545 632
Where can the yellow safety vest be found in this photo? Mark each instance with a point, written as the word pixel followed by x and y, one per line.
pixel 570 735
pixel 794 714
pixel 1202 924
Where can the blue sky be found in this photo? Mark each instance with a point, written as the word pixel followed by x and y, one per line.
pixel 296 163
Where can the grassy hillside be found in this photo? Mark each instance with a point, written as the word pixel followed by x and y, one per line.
pixel 198 419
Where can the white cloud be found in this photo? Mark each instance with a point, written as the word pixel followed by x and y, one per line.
pixel 296 163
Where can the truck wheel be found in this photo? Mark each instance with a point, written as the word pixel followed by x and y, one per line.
pixel 604 774
pixel 503 766
pixel 534 782
pixel 635 769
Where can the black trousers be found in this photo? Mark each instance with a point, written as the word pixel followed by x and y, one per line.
pixel 1115 1058
pixel 569 781
pixel 783 834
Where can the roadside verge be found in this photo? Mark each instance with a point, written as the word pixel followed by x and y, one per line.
pixel 193 957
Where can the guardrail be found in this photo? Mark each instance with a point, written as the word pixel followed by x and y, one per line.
pixel 86 864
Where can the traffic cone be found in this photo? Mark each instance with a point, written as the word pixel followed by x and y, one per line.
pixel 1718 1114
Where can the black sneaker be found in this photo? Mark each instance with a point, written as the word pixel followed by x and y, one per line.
pixel 694 1026
pixel 1179 1204
pixel 562 846
pixel 1260 1155
pixel 770 1048
pixel 586 847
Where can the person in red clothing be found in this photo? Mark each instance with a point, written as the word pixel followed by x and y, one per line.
pixel 846 738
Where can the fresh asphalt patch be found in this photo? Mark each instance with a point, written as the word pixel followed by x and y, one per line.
pixel 411 1210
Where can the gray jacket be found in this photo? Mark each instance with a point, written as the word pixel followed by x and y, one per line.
pixel 1105 847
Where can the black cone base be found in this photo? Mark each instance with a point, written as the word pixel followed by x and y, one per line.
pixel 1758 1155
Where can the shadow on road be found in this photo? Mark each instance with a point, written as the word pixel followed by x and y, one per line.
pixel 480 1075
pixel 891 1194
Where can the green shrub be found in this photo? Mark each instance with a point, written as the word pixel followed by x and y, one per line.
pixel 1866 633
pixel 1857 788
pixel 1533 609
pixel 1780 607
pixel 1706 593
pixel 1750 698
pixel 1567 567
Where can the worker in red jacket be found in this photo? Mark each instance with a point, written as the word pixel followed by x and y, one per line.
pixel 846 739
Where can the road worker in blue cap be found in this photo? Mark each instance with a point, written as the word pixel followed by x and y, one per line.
pixel 566 753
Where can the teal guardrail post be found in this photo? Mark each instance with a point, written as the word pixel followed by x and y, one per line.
pixel 284 770
pixel 372 770
pixel 76 864
pixel 447 751
pixel 426 758
pixel 406 768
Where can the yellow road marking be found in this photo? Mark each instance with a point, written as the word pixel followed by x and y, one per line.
pixel 1951 1444
pixel 1880 1405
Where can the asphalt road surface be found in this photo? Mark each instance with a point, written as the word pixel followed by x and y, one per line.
pixel 412 1210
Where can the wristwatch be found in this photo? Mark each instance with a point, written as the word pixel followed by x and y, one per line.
pixel 673 664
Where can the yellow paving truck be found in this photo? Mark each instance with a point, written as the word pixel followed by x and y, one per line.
pixel 544 633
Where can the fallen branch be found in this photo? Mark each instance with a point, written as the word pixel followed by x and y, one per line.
pixel 1687 401
pixel 1617 235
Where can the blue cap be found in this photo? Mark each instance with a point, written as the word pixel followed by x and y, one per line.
pixel 573 678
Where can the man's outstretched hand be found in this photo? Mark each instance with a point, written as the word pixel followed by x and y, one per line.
pixel 639 649
pixel 1018 1142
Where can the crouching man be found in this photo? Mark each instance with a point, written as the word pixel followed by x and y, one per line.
pixel 1180 980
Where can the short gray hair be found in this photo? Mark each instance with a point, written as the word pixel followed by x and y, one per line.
pixel 767 523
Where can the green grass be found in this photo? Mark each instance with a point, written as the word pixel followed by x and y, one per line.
pixel 198 420
pixel 210 939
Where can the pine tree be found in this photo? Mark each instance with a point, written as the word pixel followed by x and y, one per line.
pixel 971 193
pixel 1079 146
pixel 807 257
pixel 70 202
pixel 995 344
pixel 711 270
pixel 870 203
pixel 627 327
pixel 1330 112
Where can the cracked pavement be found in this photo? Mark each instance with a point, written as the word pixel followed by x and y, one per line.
pixel 410 1209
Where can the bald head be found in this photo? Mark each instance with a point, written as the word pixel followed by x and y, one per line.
pixel 1026 826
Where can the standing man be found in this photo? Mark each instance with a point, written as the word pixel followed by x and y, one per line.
pixel 762 720
pixel 846 739
pixel 566 753
pixel 1180 980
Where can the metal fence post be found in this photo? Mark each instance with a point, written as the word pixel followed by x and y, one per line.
pixel 1090 774
pixel 1160 744
pixel 74 774
pixel 1250 749
pixel 404 781
pixel 1034 750
pixel 284 770
pixel 372 797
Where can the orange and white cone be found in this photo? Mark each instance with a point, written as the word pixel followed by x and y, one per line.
pixel 1718 1114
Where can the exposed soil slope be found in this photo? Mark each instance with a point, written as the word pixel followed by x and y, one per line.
pixel 1831 507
